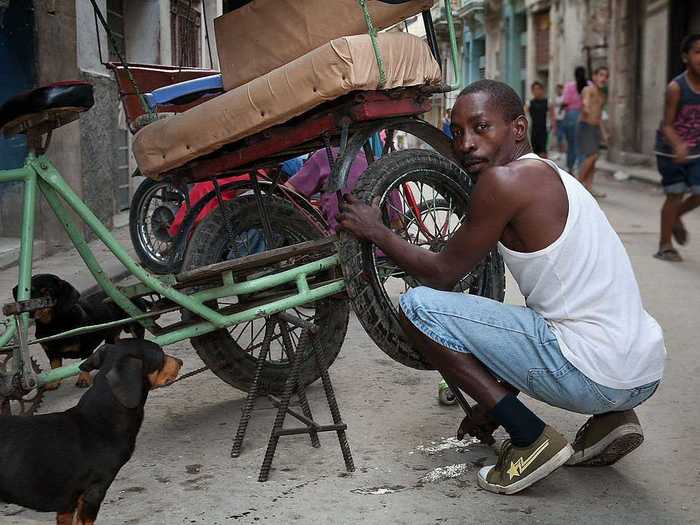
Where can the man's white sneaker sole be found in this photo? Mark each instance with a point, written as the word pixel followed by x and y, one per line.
pixel 617 444
pixel 544 470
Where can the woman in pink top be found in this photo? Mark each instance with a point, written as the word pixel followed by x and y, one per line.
pixel 572 106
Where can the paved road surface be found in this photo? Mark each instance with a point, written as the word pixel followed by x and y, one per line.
pixel 408 469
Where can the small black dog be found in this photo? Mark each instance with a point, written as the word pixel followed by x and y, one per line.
pixel 65 462
pixel 73 311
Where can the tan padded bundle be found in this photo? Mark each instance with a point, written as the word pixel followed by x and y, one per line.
pixel 334 69
pixel 266 34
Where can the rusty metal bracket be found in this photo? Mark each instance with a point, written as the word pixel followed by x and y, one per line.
pixel 30 305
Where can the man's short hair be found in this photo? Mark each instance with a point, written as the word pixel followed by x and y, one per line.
pixel 601 68
pixel 688 42
pixel 536 83
pixel 507 100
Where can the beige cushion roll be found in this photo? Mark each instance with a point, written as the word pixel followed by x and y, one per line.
pixel 334 69
pixel 266 34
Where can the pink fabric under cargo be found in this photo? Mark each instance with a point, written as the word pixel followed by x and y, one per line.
pixel 312 177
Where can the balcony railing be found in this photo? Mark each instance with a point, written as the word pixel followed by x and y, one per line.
pixel 470 7
pixel 460 8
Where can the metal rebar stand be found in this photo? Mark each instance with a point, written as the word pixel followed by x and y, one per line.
pixel 293 386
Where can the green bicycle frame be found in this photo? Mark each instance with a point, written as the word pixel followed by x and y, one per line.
pixel 39 172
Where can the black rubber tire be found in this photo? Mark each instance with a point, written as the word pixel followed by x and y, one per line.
pixel 145 253
pixel 375 311
pixel 219 351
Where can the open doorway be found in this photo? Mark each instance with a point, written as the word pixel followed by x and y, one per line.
pixel 685 19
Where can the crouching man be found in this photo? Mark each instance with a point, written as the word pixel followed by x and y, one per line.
pixel 584 342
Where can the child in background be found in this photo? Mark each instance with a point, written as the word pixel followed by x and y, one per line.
pixel 678 150
pixel 559 113
pixel 537 109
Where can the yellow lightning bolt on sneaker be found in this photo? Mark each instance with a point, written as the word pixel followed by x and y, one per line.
pixel 518 468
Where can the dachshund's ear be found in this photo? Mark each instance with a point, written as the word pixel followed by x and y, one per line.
pixel 126 381
pixel 153 356
pixel 94 362
pixel 67 295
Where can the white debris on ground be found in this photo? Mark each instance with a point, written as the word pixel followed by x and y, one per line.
pixel 443 473
pixel 436 447
pixel 378 491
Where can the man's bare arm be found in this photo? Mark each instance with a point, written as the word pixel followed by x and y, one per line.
pixel 491 208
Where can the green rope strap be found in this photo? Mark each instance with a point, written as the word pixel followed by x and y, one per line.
pixel 453 41
pixel 375 45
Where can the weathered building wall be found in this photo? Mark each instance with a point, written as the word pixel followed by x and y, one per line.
pixel 57 60
pixel 623 92
pixel 142 23
pixel 98 154
pixel 495 41
pixel 653 69
pixel 568 52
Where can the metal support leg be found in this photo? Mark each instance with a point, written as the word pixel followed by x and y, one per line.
pixel 309 339
pixel 281 414
pixel 301 391
pixel 332 402
pixel 252 393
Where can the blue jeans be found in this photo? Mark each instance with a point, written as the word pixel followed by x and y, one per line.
pixel 570 124
pixel 561 132
pixel 516 344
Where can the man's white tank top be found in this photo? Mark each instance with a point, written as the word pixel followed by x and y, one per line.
pixel 584 286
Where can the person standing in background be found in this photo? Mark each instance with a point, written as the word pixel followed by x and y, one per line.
pixel 678 150
pixel 572 106
pixel 447 124
pixel 589 133
pixel 557 118
pixel 537 109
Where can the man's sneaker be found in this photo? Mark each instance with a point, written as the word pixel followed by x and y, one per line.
pixel 518 468
pixel 604 439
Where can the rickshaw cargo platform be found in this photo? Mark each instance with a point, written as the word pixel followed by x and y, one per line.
pixel 263 35
pixel 335 69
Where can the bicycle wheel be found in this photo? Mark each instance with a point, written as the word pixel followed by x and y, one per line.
pixel 153 209
pixel 424 198
pixel 232 353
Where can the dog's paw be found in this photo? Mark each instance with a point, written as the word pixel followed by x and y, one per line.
pixel 84 380
pixel 52 386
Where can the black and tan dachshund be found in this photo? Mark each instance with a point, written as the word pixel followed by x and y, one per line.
pixel 65 462
pixel 72 310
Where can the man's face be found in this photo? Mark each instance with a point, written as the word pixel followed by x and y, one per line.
pixel 482 137
pixel 600 78
pixel 537 91
pixel 692 58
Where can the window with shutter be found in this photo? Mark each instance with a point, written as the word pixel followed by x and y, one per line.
pixel 185 32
